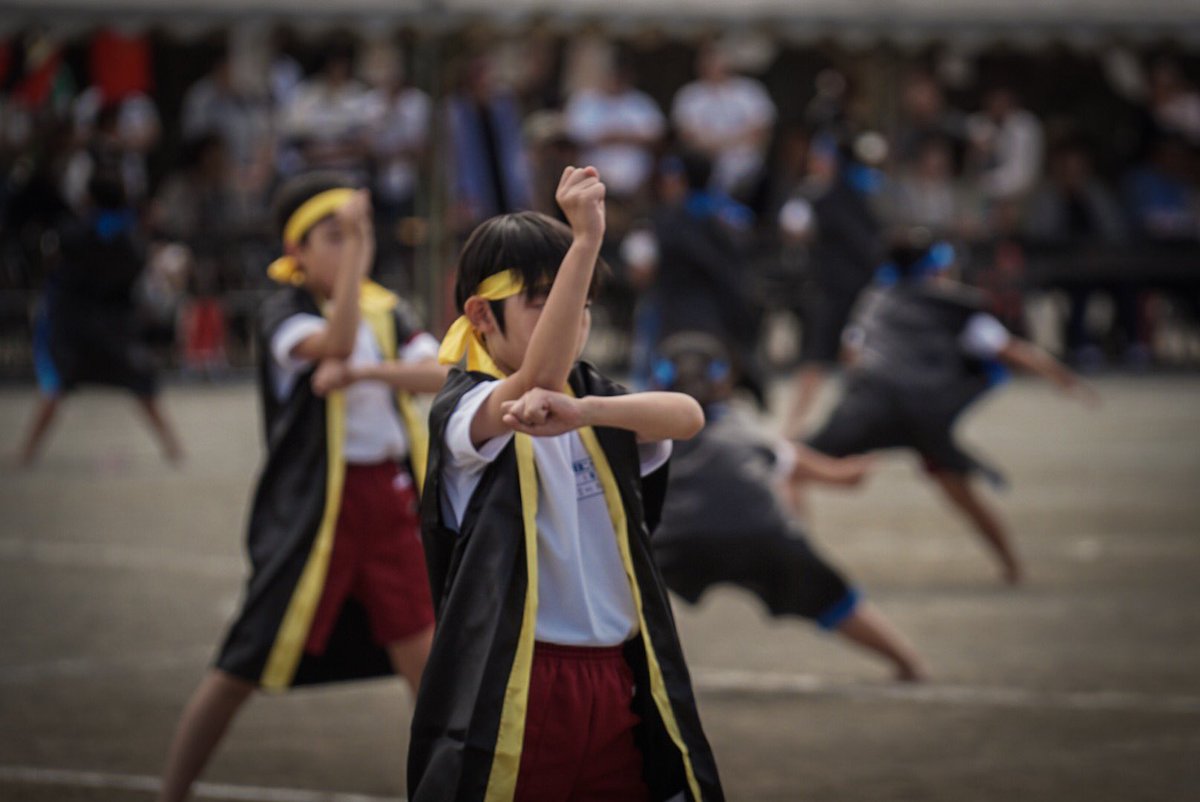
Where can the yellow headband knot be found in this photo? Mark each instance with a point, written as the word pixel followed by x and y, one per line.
pixel 285 269
pixel 461 338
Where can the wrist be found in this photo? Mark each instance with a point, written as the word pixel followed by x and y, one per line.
pixel 588 240
pixel 590 410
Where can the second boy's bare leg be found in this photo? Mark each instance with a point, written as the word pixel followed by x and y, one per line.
pixel 958 489
pixel 409 655
pixel 203 724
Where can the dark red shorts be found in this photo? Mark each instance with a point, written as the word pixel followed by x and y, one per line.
pixel 377 558
pixel 579 726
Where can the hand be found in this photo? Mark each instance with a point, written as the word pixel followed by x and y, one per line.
pixel 850 471
pixel 542 413
pixel 581 196
pixel 331 375
pixel 354 216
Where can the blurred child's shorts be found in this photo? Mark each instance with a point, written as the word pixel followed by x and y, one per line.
pixel 377 558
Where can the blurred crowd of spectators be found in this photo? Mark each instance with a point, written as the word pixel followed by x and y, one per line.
pixel 722 207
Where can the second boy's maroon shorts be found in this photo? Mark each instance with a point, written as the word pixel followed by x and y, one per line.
pixel 377 558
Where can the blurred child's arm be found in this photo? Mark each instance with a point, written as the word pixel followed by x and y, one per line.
pixel 423 376
pixel 813 466
pixel 551 351
pixel 1026 356
pixel 652 416
pixel 336 339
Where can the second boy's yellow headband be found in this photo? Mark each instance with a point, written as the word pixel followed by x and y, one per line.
pixel 285 269
pixel 461 338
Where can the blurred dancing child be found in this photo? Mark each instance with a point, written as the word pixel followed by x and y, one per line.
pixel 338 589
pixel 726 521
pixel 925 351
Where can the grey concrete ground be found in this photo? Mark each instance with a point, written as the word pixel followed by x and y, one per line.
pixel 118 574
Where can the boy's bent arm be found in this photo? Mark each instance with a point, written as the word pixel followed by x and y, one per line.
pixel 550 353
pixel 651 416
pixel 424 376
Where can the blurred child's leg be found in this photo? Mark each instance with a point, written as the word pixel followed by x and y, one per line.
pixel 869 629
pixel 43 416
pixel 805 386
pixel 957 488
pixel 409 655
pixel 162 429
pixel 201 727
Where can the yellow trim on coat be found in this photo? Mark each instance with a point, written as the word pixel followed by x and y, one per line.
pixel 281 664
pixel 616 510
pixel 506 758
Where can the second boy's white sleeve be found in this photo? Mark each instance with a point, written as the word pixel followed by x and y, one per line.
pixel 420 347
pixel 293 331
pixel 464 456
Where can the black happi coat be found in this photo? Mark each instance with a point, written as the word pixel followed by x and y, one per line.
pixel 265 642
pixel 479 583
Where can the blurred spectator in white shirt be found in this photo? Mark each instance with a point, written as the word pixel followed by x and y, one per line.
pixel 328 123
pixel 216 105
pixel 617 129
pixel 1008 145
pixel 727 118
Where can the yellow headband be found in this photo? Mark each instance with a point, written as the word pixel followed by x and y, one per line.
pixel 461 338
pixel 285 269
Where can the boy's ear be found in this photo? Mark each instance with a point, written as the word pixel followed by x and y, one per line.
pixel 291 249
pixel 479 312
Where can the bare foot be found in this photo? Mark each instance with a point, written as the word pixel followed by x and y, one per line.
pixel 913 671
pixel 1013 574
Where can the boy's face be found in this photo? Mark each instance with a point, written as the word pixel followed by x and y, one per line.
pixel 321 254
pixel 520 316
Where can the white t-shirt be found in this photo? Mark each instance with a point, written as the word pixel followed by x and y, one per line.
pixel 401 123
pixel 591 116
pixel 727 109
pixel 374 431
pixel 584 598
pixel 984 337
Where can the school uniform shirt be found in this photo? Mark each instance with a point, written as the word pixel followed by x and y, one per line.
pixel 583 593
pixel 374 431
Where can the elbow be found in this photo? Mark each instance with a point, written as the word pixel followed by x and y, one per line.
pixel 551 380
pixel 339 351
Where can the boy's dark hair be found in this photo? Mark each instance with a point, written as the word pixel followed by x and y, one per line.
pixel 531 243
pixel 694 363
pixel 294 192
